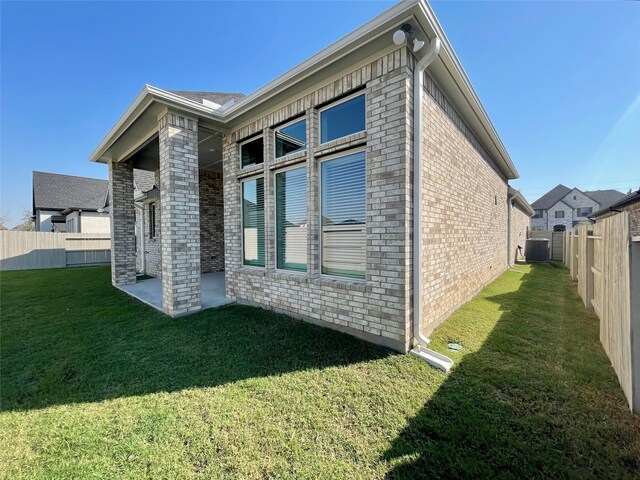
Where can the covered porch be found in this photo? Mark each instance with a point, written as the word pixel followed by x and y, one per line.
pixel 149 291
pixel 172 227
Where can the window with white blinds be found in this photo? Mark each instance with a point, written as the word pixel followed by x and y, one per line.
pixel 291 219
pixel 253 222
pixel 343 185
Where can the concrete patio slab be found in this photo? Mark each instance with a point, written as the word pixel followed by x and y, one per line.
pixel 149 291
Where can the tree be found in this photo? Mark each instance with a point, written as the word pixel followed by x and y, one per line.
pixel 3 222
pixel 27 225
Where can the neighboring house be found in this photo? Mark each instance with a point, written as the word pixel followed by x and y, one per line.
pixel 65 203
pixel 303 192
pixel 628 203
pixel 562 208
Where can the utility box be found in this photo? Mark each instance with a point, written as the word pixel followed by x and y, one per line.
pixel 537 250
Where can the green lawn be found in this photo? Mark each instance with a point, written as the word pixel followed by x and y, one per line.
pixel 95 384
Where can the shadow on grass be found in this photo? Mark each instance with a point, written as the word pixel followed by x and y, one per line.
pixel 68 336
pixel 538 399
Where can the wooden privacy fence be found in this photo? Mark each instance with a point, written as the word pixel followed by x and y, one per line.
pixel 556 242
pixel 605 261
pixel 29 250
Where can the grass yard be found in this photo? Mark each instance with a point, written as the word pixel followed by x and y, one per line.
pixel 97 385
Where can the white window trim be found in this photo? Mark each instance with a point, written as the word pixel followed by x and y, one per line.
pixel 275 227
pixel 242 264
pixel 335 104
pixel 249 140
pixel 302 118
pixel 345 153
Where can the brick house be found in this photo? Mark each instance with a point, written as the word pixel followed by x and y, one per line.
pixel 303 192
pixel 562 208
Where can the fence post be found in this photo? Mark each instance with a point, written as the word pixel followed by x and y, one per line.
pixel 588 274
pixel 634 297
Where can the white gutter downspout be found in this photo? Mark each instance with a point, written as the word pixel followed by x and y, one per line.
pixel 420 342
pixel 142 255
pixel 509 208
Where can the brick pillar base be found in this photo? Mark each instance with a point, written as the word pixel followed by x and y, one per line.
pixel 180 215
pixel 123 224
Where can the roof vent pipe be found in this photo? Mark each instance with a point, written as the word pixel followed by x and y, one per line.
pixel 420 342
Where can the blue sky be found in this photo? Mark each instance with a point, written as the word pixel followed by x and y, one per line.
pixel 560 81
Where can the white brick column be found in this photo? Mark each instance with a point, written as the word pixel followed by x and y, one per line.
pixel 180 215
pixel 123 224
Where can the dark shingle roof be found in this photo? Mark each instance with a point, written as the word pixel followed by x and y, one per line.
pixel 218 97
pixel 57 192
pixel 144 180
pixel 605 197
pixel 553 196
pixel 550 198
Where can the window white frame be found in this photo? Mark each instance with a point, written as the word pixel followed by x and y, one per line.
pixel 302 118
pixel 335 104
pixel 242 264
pixel 275 210
pixel 249 140
pixel 320 243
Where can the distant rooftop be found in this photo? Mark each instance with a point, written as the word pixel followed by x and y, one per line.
pixel 557 193
pixel 57 192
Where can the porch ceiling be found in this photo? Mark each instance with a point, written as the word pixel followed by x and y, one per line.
pixel 209 152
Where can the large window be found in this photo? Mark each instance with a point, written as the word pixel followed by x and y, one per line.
pixel 253 222
pixel 291 138
pixel 584 211
pixel 559 213
pixel 252 152
pixel 343 185
pixel 343 119
pixel 291 219
pixel 538 214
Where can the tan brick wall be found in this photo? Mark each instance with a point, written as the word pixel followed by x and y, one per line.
pixel 520 222
pixel 464 212
pixel 211 222
pixel 378 309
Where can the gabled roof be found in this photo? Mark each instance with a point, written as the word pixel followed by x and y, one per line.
pixel 59 192
pixel 604 197
pixel 144 180
pixel 552 197
pixel 220 98
pixel 625 200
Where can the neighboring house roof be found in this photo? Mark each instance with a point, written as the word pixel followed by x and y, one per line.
pixel 373 37
pixel 53 191
pixel 604 197
pixel 552 197
pixel 144 180
pixel 221 98
pixel 625 201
